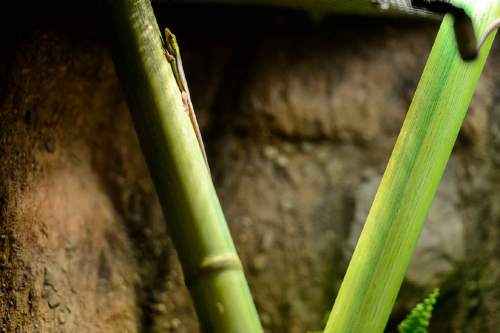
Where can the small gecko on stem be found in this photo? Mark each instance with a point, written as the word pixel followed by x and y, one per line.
pixel 173 55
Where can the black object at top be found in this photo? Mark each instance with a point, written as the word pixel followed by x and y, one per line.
pixel 464 28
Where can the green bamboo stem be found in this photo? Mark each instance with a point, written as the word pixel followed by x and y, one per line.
pixel 211 266
pixel 400 208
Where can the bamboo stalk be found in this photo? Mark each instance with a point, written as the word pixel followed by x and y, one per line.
pixel 398 214
pixel 192 210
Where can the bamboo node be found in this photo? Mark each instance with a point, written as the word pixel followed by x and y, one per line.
pixel 213 264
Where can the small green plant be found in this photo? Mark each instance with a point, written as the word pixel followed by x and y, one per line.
pixel 419 318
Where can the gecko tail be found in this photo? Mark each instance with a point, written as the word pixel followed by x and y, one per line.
pixel 196 128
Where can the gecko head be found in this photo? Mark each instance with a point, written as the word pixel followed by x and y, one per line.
pixel 171 41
